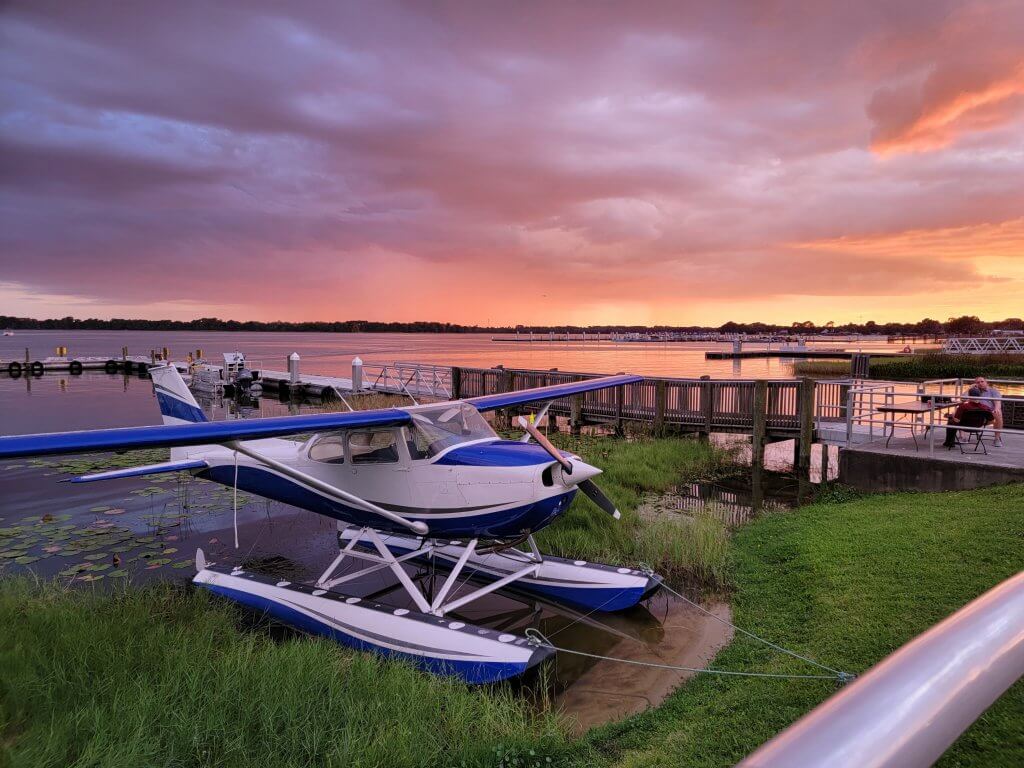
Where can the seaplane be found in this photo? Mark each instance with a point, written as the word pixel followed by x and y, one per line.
pixel 432 483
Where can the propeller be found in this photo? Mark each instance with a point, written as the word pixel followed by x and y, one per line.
pixel 588 486
pixel 597 496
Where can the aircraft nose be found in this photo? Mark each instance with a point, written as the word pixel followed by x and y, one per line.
pixel 580 471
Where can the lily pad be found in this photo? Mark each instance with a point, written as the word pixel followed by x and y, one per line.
pixel 96 556
pixel 158 561
pixel 114 511
pixel 26 559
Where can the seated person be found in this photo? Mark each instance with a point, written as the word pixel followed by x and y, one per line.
pixel 983 390
pixel 970 413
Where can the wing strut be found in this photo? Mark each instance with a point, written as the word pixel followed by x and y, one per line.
pixel 325 488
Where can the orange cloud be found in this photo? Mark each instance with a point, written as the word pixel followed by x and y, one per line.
pixel 989 242
pixel 908 122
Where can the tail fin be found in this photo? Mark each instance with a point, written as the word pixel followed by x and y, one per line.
pixel 176 403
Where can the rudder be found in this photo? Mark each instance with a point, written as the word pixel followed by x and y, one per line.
pixel 177 406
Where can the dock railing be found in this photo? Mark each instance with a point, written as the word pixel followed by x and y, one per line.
pixel 908 709
pixel 688 404
pixel 413 379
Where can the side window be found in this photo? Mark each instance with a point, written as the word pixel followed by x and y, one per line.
pixel 418 443
pixel 329 449
pixel 376 446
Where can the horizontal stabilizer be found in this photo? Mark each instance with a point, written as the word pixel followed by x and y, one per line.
pixel 200 433
pixel 148 469
pixel 555 391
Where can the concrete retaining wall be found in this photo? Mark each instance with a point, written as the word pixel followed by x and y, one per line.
pixel 878 471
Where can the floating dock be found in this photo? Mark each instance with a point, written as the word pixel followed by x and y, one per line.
pixel 77 365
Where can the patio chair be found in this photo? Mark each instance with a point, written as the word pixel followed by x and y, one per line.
pixel 976 421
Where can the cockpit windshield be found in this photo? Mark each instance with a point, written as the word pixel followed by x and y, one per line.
pixel 437 428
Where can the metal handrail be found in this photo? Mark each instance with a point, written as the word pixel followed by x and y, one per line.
pixel 908 709
pixel 861 409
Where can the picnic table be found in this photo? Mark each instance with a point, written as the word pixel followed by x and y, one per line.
pixel 915 409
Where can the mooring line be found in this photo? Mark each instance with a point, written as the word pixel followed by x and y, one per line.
pixel 844 676
pixel 537 638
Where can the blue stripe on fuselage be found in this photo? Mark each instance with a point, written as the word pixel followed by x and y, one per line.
pixel 498 524
pixel 500 453
pixel 178 409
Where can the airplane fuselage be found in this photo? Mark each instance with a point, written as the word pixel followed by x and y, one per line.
pixel 487 487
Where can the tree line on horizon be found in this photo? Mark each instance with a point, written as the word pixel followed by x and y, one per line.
pixel 965 325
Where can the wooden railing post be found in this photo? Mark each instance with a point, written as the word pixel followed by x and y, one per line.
pixel 620 394
pixel 456 383
pixel 707 393
pixel 759 409
pixel 660 403
pixel 575 414
pixel 805 411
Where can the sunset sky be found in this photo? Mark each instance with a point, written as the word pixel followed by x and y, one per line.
pixel 475 162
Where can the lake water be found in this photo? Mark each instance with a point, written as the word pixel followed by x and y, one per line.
pixel 332 353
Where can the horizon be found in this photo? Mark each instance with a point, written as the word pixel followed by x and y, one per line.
pixel 678 165
pixel 13 322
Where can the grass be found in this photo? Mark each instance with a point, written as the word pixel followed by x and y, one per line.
pixel 846 583
pixel 930 365
pixel 163 677
pixel 694 551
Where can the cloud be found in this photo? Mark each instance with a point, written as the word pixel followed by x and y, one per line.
pixel 968 76
pixel 327 160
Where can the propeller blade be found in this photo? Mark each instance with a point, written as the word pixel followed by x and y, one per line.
pixel 597 496
pixel 544 443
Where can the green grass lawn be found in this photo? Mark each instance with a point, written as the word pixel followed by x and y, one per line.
pixel 847 584
pixel 165 677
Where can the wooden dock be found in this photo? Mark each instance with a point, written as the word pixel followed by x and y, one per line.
pixel 795 353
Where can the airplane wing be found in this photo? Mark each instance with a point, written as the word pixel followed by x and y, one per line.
pixel 555 391
pixel 198 433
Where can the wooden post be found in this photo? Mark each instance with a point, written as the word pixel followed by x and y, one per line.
pixel 575 414
pixel 456 383
pixel 504 414
pixel 805 411
pixel 757 438
pixel 620 394
pixel 824 464
pixel 708 405
pixel 660 401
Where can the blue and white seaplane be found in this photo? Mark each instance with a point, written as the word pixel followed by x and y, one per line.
pixel 431 483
